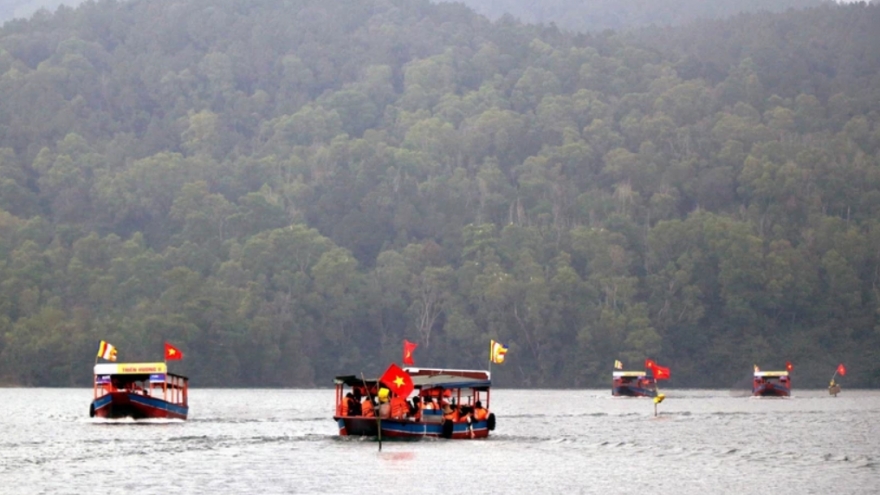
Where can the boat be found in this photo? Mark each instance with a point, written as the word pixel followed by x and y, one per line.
pixel 461 388
pixel 138 391
pixel 633 384
pixel 771 384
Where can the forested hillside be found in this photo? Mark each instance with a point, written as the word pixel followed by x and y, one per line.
pixel 597 15
pixel 287 189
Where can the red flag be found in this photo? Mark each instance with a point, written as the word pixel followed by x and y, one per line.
pixel 408 348
pixel 841 369
pixel 660 372
pixel 172 353
pixel 397 380
pixel 789 366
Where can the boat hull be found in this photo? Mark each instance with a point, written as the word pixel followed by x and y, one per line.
pixel 357 426
pixel 771 390
pixel 407 429
pixel 117 405
pixel 415 430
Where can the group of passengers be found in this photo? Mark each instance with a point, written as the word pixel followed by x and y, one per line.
pixel 395 407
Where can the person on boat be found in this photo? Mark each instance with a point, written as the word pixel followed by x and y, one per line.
pixel 399 409
pixel 350 406
pixel 450 413
pixel 415 409
pixel 354 409
pixel 384 405
pixel 480 412
pixel 367 408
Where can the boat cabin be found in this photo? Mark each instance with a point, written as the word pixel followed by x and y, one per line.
pixel 147 379
pixel 633 384
pixel 437 387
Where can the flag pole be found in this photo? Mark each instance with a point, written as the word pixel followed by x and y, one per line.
pixel 490 358
pixel 375 413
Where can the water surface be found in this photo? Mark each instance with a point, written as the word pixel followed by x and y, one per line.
pixel 547 441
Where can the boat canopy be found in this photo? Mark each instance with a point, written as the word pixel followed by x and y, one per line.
pixel 771 373
pixel 429 378
pixel 628 373
pixel 130 368
pixel 354 380
pixel 426 382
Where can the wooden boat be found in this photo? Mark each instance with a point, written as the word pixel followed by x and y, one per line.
pixel 771 384
pixel 462 388
pixel 138 391
pixel 633 384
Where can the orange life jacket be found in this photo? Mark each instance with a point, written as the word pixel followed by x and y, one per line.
pixel 343 407
pixel 451 415
pixel 367 408
pixel 398 408
pixel 480 414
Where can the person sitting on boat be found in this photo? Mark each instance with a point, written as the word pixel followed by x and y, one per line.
pixel 480 412
pixel 415 409
pixel 399 409
pixel 450 413
pixel 367 408
pixel 350 406
pixel 384 405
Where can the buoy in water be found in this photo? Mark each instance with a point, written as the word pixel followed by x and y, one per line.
pixel 833 389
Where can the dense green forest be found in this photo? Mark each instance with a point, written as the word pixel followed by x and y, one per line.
pixel 598 15
pixel 287 189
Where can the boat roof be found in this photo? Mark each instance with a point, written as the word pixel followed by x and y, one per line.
pixel 478 374
pixel 133 369
pixel 771 373
pixel 628 373
pixel 449 381
pixel 428 378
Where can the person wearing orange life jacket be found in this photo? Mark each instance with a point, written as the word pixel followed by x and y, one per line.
pixel 450 413
pixel 343 406
pixel 480 413
pixel 367 408
pixel 350 406
pixel 398 407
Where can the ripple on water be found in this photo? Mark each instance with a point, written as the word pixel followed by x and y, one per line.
pixel 577 443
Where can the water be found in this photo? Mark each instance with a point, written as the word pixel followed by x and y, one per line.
pixel 585 441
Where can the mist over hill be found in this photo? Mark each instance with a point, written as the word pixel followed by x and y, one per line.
pixel 287 189
pixel 598 15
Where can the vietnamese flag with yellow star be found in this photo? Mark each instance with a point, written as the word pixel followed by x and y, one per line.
pixel 397 380
pixel 172 353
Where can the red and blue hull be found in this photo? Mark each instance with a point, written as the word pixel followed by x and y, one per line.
pixel 629 391
pixel 771 390
pixel 407 429
pixel 117 405
pixel 413 430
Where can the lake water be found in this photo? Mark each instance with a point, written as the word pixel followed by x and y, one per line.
pixel 547 441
